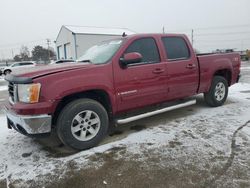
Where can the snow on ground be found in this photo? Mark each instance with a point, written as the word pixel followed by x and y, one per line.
pixel 245 68
pixel 201 145
pixel 200 136
pixel 3 88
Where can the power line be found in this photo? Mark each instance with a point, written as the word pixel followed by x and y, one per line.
pixel 223 27
pixel 20 43
pixel 187 30
pixel 228 33
pixel 212 28
pixel 218 44
pixel 18 47
pixel 225 40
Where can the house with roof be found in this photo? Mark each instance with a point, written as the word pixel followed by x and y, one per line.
pixel 72 41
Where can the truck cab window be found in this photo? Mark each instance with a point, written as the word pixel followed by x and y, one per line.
pixel 147 48
pixel 176 48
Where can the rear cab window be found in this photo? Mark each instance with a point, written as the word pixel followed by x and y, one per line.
pixel 147 47
pixel 176 48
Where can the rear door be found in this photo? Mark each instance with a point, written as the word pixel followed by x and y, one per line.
pixel 182 67
pixel 143 83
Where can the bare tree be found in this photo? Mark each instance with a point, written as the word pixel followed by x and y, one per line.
pixel 24 53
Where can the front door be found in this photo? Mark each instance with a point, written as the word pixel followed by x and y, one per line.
pixel 143 83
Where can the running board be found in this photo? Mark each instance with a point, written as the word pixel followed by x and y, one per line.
pixel 148 114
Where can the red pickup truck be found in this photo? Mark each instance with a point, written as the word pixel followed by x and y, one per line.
pixel 82 100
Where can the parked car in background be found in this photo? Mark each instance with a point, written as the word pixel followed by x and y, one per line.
pixel 63 61
pixel 24 64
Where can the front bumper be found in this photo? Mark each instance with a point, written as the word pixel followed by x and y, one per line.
pixel 29 125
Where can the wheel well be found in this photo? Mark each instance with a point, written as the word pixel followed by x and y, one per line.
pixel 7 70
pixel 98 95
pixel 226 74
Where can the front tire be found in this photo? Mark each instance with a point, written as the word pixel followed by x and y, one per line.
pixel 6 72
pixel 82 124
pixel 217 94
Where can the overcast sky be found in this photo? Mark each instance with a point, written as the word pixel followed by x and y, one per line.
pixel 216 23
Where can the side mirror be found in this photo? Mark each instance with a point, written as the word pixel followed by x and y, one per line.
pixel 130 58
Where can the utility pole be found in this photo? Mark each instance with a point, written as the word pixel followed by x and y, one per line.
pixel 192 37
pixel 48 43
pixel 163 30
pixel 2 54
pixel 12 52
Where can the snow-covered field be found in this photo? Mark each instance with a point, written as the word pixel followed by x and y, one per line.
pixel 197 146
pixel 1 79
pixel 3 88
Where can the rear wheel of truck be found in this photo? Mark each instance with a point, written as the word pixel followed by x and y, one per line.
pixel 217 94
pixel 82 124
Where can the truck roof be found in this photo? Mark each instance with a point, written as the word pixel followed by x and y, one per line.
pixel 155 35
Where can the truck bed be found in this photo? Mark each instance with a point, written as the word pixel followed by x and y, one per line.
pixel 208 64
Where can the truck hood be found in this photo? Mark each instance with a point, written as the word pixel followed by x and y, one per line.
pixel 43 70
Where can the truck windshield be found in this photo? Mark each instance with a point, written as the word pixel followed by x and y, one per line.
pixel 101 52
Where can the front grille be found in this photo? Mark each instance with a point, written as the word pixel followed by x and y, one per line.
pixel 11 90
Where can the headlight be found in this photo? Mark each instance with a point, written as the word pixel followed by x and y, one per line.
pixel 28 93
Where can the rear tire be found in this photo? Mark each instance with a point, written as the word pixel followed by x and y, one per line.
pixel 82 124
pixel 217 94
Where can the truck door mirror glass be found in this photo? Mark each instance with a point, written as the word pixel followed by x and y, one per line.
pixel 130 58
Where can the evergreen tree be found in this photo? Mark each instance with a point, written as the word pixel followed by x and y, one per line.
pixel 40 53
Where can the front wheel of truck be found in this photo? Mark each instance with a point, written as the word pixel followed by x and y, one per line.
pixel 217 94
pixel 82 124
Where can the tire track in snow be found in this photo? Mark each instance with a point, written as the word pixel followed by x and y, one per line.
pixel 7 176
pixel 211 183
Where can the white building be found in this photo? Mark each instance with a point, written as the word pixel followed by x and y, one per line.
pixel 72 41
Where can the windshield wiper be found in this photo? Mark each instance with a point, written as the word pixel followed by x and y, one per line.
pixel 85 61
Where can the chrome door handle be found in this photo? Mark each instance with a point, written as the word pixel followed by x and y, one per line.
pixel 158 71
pixel 190 66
